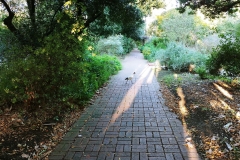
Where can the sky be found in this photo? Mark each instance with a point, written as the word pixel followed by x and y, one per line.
pixel 169 5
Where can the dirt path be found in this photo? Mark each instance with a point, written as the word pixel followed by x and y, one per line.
pixel 128 121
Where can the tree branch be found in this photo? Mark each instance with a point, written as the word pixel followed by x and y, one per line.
pixel 52 26
pixel 91 19
pixel 8 21
pixel 31 9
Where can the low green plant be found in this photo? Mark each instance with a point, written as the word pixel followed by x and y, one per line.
pixel 202 72
pixel 172 80
pixel 97 71
pixel 225 56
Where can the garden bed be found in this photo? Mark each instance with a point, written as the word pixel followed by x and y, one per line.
pixel 211 112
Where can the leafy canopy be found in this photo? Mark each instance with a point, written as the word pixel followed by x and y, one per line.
pixel 211 8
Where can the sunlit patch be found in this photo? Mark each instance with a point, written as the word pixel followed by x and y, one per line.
pixel 223 84
pixel 191 67
pixel 223 91
pixel 226 106
pixel 175 75
pixel 150 78
pixel 215 104
pixel 238 115
pixel 90 48
pixel 182 107
pixel 220 103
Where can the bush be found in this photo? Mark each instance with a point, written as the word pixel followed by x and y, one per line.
pixel 202 72
pixel 225 56
pixel 97 71
pixel 128 44
pixel 61 70
pixel 111 45
pixel 177 57
pixel 149 49
pixel 115 45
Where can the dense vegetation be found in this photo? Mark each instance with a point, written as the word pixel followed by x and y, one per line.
pixel 186 40
pixel 213 8
pixel 63 51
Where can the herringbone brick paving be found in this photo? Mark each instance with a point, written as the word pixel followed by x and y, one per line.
pixel 128 121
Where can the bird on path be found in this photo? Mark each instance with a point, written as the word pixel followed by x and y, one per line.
pixel 129 78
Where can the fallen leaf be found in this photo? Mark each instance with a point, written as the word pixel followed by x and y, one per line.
pixel 210 151
pixel 25 155
pixel 226 127
pixel 229 146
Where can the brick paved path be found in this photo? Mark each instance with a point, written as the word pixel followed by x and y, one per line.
pixel 127 122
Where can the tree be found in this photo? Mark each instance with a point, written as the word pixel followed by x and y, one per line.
pixel 129 24
pixel 41 17
pixel 211 8
pixel 44 53
pixel 146 6
pixel 185 28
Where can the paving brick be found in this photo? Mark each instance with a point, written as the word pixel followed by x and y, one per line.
pixel 143 156
pixel 77 155
pixel 151 148
pixel 123 154
pixel 53 157
pixel 135 156
pixel 127 148
pixel 119 148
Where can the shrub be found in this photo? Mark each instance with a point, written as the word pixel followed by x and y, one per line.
pixel 115 45
pixel 149 49
pixel 202 72
pixel 225 56
pixel 111 45
pixel 97 71
pixel 177 57
pixel 128 44
pixel 45 75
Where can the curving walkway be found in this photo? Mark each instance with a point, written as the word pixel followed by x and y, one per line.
pixel 128 121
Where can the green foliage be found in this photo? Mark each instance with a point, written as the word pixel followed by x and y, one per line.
pixel 178 58
pixel 147 6
pixel 149 49
pixel 128 44
pixel 97 71
pixel 225 56
pixel 115 45
pixel 185 28
pixel 111 45
pixel 116 17
pixel 202 72
pixel 211 9
pixel 46 57
pixel 172 80
pixel 60 71
pixel 237 29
